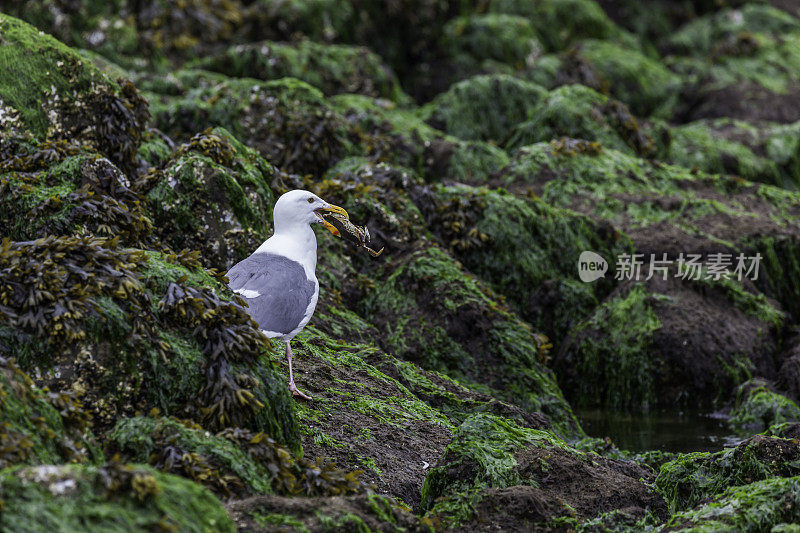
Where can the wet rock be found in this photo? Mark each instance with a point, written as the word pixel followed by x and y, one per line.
pixel 695 477
pixel 496 473
pixel 669 342
pixel 333 69
pixel 371 512
pixel 758 407
pixel 483 108
pixel 113 497
pixel 212 195
pixel 52 93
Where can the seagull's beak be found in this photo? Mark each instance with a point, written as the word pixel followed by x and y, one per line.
pixel 330 208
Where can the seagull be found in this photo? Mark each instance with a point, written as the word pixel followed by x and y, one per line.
pixel 278 281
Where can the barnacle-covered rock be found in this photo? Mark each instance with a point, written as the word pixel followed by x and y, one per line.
pixel 127 330
pixel 56 188
pixel 212 195
pixel 114 497
pixel 289 122
pixel 333 69
pixel 497 472
pixel 38 426
pixel 464 332
pixel 234 462
pixel 483 108
pixel 51 92
pixel 579 112
pixel 696 477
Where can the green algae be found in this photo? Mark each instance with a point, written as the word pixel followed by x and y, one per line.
pixel 483 107
pixel 331 68
pixel 757 408
pixel 695 477
pixel 613 355
pixel 112 498
pixel 760 506
pixel 482 454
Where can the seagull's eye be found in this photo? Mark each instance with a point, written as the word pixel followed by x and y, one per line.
pixel 311 200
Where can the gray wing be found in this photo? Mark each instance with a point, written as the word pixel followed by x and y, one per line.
pixel 276 288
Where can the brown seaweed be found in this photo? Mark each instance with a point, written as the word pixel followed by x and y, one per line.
pixel 356 234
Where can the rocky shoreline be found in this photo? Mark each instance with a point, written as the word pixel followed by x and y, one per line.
pixel 486 145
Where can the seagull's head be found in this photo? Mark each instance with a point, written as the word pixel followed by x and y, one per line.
pixel 301 208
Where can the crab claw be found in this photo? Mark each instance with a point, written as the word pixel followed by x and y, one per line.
pixel 330 208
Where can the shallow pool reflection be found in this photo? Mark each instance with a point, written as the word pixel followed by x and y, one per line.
pixel 672 431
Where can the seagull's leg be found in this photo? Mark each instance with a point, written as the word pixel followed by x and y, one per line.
pixel 292 386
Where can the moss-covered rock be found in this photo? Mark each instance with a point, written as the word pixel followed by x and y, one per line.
pixel 494 471
pixel 757 407
pixel 669 342
pixel 127 330
pixel 465 333
pixel 696 477
pixel 212 195
pixel 489 42
pixel 234 462
pixel 287 121
pixel 580 112
pixel 40 427
pixel 489 231
pixel 562 22
pixel 333 69
pixel 69 191
pixel 53 93
pixel 484 107
pixel 643 83
pixel 111 498
pixel 768 505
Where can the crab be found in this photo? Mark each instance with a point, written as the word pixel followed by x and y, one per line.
pixel 349 231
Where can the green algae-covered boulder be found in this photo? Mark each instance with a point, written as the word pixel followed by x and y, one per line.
pixel 769 505
pixel 490 230
pixel 580 112
pixel 333 69
pixel 233 463
pixel 699 145
pixel 668 342
pixel 51 92
pixel 494 471
pixel 490 41
pixel 465 333
pixel 40 427
pixel 213 196
pixel 700 36
pixel 69 191
pixel 561 22
pixel 110 498
pixel 696 477
pixel 643 83
pixel 757 407
pixel 484 107
pixel 287 121
pixel 410 142
pixel 129 330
